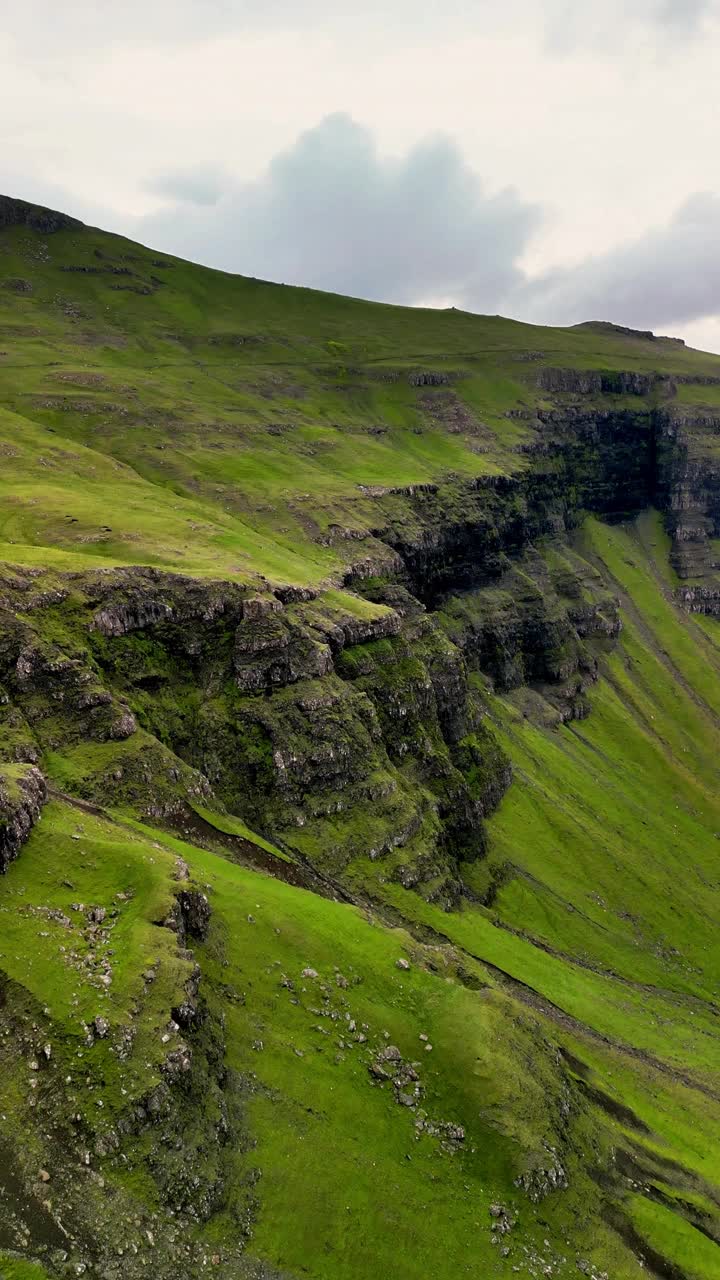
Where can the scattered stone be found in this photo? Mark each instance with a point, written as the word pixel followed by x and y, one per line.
pixel 377 1070
pixel 310 973
pixel 178 1062
pixel 59 916
pixel 540 1181
pixel 402 964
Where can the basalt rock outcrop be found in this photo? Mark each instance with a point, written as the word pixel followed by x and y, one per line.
pixel 23 792
pixel 359 729
pixel 587 451
pixel 190 916
pixel 618 460
pixel 346 731
pixel 459 535
pixel 692 499
pixel 599 381
pixel 15 213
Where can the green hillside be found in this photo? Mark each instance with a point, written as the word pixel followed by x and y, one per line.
pixel 359 765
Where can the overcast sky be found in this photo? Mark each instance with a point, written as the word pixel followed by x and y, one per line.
pixel 554 160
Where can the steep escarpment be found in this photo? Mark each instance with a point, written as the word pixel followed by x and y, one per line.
pixel 611 458
pixel 693 499
pixel 359 745
pixel 662 455
pixel 348 727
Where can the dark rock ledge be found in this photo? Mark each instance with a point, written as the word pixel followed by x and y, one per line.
pixel 23 793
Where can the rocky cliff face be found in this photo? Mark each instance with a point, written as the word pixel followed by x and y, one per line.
pixel 613 461
pixel 347 731
pixel 661 453
pixel 352 731
pixel 22 794
pixel 691 500
pixel 344 736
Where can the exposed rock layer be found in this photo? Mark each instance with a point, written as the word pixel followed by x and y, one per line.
pixel 23 793
pixel 357 731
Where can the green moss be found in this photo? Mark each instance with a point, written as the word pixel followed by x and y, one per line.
pixel 19 1269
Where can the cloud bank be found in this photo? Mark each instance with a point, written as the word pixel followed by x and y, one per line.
pixel 601 113
pixel 332 213
pixel 44 26
pixel 670 275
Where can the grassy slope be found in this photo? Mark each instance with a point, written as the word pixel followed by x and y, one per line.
pixel 608 841
pixel 600 818
pixel 278 404
pixel 137 428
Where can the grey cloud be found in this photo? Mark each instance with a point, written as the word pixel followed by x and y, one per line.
pixel 44 27
pixel 569 24
pixel 201 185
pixel 334 214
pixel 683 12
pixel 669 275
